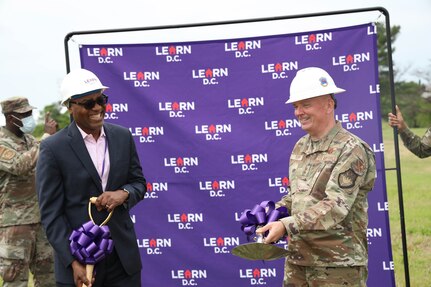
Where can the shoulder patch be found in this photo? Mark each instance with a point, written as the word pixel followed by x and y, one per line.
pixel 6 154
pixel 347 179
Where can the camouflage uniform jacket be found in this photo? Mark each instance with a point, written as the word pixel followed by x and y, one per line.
pixel 18 198
pixel 329 183
pixel 419 146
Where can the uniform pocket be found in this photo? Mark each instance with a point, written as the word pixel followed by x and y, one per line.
pixel 11 258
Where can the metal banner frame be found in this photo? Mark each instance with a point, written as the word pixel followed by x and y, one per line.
pixel 382 10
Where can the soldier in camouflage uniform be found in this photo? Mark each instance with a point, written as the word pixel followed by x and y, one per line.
pixel 23 244
pixel 331 172
pixel 421 147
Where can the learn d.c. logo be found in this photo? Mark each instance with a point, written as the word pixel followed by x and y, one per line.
pixel 210 76
pixel 105 55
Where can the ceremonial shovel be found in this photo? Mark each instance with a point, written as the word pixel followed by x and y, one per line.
pixel 90 243
pixel 251 220
pixel 259 250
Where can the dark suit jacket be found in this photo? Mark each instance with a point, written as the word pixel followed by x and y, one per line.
pixel 66 179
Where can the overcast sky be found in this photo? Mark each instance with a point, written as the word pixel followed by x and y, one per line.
pixel 32 32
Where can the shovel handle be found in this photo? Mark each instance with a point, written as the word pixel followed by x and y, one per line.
pixel 259 238
pixel 89 271
pixel 93 201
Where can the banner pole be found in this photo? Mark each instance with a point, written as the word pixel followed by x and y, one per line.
pixel 397 154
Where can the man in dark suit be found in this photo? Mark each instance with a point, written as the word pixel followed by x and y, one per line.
pixel 90 158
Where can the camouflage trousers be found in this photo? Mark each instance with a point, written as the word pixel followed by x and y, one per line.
pixel 24 248
pixel 311 276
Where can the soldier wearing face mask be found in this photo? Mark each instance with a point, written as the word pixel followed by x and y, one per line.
pixel 23 245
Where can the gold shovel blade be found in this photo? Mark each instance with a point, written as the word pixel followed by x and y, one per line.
pixel 259 251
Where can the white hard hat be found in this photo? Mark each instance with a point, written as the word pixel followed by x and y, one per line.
pixel 79 83
pixel 312 82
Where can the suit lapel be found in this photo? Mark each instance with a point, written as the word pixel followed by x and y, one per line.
pixel 78 146
pixel 112 154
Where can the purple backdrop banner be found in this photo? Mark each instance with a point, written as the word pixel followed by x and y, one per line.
pixel 214 136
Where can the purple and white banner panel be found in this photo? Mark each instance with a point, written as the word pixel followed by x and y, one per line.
pixel 214 136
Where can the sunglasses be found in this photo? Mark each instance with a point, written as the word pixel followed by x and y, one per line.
pixel 89 104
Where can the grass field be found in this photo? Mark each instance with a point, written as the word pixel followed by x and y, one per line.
pixel 416 185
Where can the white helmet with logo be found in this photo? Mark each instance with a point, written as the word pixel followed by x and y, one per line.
pixel 312 82
pixel 79 83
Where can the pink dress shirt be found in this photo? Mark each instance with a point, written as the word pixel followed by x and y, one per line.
pixel 99 154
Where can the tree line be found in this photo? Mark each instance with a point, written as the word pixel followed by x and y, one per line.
pixel 413 98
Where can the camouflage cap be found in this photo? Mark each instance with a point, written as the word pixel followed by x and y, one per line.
pixel 16 104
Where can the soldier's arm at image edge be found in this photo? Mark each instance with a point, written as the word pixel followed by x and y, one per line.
pixel 421 147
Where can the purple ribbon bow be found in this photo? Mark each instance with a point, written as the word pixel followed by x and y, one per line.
pixel 261 214
pixel 90 243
